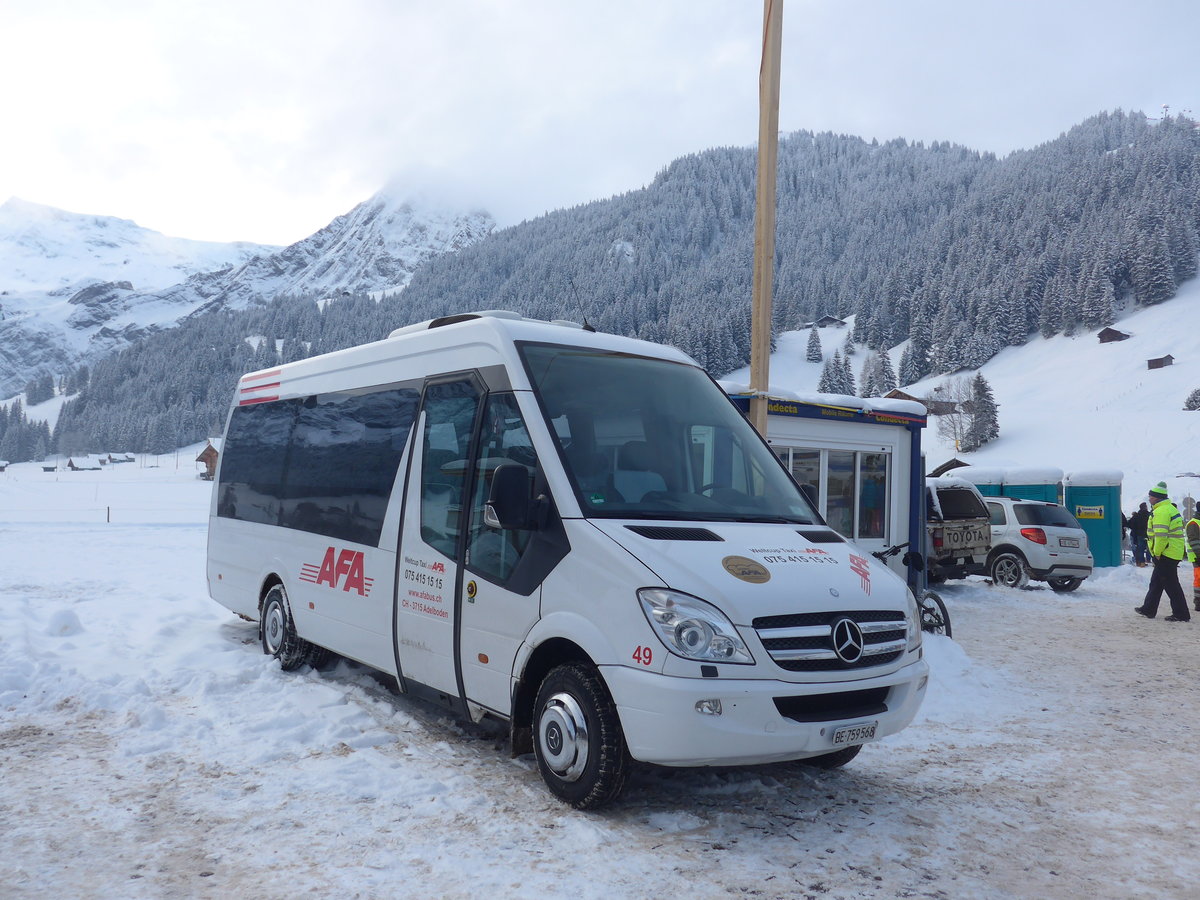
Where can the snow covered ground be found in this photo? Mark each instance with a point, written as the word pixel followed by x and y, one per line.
pixel 150 750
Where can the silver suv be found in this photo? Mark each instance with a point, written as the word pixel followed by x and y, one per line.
pixel 1039 540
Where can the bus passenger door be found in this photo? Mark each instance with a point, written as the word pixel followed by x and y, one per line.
pixel 429 561
pixel 501 597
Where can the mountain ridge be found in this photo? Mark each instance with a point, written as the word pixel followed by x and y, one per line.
pixel 75 288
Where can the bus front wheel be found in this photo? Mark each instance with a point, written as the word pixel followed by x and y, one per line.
pixel 577 739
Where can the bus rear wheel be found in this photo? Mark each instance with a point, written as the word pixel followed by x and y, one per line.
pixel 577 738
pixel 278 634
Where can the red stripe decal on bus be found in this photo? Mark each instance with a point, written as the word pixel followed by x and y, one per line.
pixel 272 373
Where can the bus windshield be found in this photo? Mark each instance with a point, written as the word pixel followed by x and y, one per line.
pixel 645 438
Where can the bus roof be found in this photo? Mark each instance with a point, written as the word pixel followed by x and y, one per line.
pixel 488 333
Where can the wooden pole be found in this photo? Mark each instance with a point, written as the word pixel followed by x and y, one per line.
pixel 764 213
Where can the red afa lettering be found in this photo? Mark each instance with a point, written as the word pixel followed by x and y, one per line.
pixel 345 567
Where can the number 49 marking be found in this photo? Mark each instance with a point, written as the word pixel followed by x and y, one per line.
pixel 644 655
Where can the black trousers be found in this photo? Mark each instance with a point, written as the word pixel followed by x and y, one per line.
pixel 1165 577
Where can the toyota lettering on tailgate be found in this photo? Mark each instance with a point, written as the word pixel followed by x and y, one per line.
pixel 974 536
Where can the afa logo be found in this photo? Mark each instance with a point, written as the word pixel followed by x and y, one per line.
pixel 339 569
pixel 862 568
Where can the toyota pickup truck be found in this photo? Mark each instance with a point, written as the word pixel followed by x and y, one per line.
pixel 958 535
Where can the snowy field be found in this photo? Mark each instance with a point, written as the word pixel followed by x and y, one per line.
pixel 150 750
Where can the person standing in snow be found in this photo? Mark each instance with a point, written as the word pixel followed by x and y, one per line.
pixel 1192 532
pixel 1165 537
pixel 1137 536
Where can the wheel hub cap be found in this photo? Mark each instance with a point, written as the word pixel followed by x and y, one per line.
pixel 273 627
pixel 563 737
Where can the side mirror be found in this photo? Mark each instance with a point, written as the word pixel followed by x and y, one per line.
pixel 510 502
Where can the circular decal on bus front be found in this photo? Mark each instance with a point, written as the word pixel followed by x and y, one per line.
pixel 746 569
pixel 471 590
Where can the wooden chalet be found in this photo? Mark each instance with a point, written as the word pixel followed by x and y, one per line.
pixel 826 322
pixel 1161 363
pixel 208 457
pixel 1109 335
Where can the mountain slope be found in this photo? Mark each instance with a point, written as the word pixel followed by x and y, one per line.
pixel 46 250
pixel 96 284
pixel 1068 402
pixel 1077 404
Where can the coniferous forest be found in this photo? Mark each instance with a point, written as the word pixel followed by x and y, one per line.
pixel 960 253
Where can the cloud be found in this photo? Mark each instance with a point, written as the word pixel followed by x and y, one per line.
pixel 262 119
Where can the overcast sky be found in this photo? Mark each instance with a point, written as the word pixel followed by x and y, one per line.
pixel 261 120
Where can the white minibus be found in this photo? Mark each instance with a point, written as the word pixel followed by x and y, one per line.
pixel 575 533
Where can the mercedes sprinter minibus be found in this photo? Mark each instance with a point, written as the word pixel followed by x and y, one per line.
pixel 575 533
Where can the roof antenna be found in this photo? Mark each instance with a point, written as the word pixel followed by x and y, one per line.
pixel 571 282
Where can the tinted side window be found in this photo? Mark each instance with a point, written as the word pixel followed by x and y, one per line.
pixel 1053 516
pixel 254 454
pixel 345 450
pixel 996 513
pixel 450 410
pixel 493 552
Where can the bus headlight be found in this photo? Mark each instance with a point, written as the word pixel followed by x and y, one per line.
pixel 914 622
pixel 693 629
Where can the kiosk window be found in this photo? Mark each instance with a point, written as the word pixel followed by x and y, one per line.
pixel 806 469
pixel 872 494
pixel 840 497
pixel 856 487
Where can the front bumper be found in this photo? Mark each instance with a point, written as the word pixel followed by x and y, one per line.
pixel 662 725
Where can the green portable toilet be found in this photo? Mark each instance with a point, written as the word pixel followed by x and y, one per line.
pixel 1039 483
pixel 989 481
pixel 1094 498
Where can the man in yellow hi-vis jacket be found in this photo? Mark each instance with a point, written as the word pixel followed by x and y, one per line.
pixel 1164 534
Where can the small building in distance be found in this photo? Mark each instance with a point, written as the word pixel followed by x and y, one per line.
pixel 1109 335
pixel 825 322
pixel 208 457
pixel 1161 362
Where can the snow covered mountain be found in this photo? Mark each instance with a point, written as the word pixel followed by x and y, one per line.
pixel 76 287
pixel 47 250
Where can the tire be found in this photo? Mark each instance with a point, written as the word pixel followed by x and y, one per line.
pixel 834 760
pixel 278 635
pixel 1064 585
pixel 935 618
pixel 577 738
pixel 1008 569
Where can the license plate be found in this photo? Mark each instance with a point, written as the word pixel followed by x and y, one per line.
pixel 855 734
pixel 1068 542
